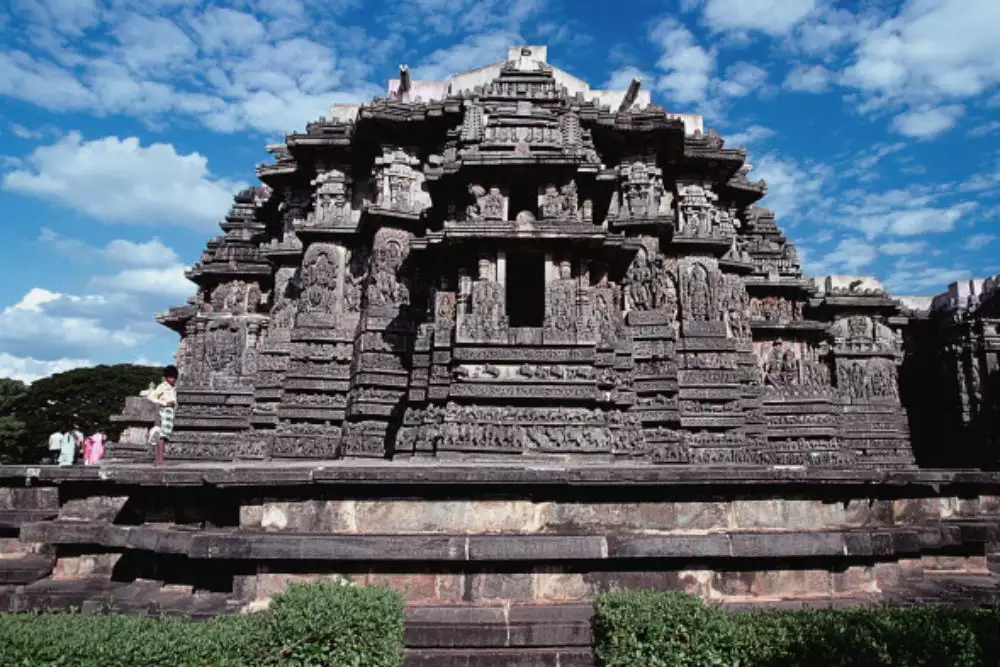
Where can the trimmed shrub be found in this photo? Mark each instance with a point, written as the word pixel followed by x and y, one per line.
pixel 321 625
pixel 679 630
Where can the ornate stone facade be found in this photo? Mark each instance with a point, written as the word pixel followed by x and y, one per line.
pixel 519 271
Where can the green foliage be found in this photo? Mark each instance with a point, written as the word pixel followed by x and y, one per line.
pixel 84 398
pixel 329 623
pixel 661 629
pixel 310 624
pixel 12 428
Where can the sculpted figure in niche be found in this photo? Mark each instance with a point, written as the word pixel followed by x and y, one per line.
pixel 473 210
pixel 320 272
pixel 487 319
pixel 607 310
pixel 491 205
pixel 664 287
pixel 384 286
pixel 638 294
pixel 698 293
pixel 561 300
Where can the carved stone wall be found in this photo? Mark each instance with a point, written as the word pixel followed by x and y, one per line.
pixel 361 303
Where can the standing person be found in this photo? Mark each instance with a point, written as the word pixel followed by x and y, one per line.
pixel 71 441
pixel 55 444
pixel 166 397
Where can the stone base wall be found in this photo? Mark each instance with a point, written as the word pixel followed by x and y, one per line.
pixel 546 537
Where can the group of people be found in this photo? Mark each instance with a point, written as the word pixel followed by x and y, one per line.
pixel 70 443
pixel 92 448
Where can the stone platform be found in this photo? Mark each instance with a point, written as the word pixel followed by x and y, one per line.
pixel 499 563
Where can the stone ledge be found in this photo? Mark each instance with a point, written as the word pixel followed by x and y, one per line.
pixel 485 474
pixel 232 545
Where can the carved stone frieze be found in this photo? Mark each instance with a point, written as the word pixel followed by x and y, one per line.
pixel 697 213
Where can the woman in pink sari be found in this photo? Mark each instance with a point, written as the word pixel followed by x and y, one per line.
pixel 93 449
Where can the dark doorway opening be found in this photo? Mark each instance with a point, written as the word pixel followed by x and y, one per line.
pixel 522 199
pixel 526 289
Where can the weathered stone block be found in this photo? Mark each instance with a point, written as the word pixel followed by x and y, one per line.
pixel 734 584
pixel 500 586
pixel 94 508
pixel 794 583
pixel 414 587
pixel 447 516
pixel 553 585
pixel 856 580
pixel 656 516
pixel 82 567
pixel 886 575
pixel 916 510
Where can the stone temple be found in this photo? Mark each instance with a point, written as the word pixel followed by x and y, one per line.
pixel 512 264
pixel 506 342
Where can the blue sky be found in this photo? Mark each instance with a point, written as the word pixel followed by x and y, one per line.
pixel 126 125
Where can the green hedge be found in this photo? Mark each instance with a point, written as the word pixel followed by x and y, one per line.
pixel 677 630
pixel 315 624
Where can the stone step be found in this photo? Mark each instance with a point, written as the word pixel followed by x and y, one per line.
pixel 25 569
pixel 517 657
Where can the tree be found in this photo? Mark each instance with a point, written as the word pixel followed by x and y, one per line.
pixel 11 427
pixel 84 398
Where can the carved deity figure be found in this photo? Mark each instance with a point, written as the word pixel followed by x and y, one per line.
pixel 737 306
pixel 639 293
pixel 320 275
pixel 492 205
pixel 664 287
pixel 607 311
pixel 385 287
pixel 561 302
pixel 285 294
pixel 698 295
pixel 488 317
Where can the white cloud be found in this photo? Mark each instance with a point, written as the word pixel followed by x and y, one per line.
pixel 687 66
pixel 897 248
pixel 743 78
pixel 933 50
pixel 984 129
pixel 929 122
pixel 48 325
pixel 814 79
pixel 621 78
pixel 914 221
pixel 978 241
pixel 752 135
pixel 118 252
pixel 27 369
pixel 119 180
pixel 849 256
pixel 924 279
pixel 475 51
pixel 772 17
pixel 219 65
pixel 166 281
pixel 791 187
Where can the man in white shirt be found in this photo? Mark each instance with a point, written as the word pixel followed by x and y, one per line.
pixel 166 397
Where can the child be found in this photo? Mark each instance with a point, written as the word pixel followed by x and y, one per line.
pixel 166 397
